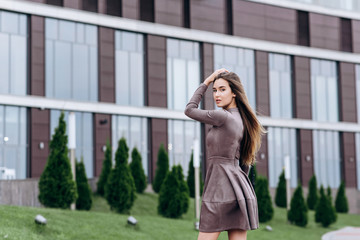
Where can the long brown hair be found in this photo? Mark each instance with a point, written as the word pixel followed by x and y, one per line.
pixel 253 130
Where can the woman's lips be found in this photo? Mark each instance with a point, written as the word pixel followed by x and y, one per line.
pixel 218 101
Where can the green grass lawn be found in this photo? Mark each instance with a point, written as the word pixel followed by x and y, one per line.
pixel 101 223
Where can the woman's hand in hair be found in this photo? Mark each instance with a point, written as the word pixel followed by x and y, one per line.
pixel 211 78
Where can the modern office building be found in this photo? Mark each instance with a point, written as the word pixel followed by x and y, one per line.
pixel 127 68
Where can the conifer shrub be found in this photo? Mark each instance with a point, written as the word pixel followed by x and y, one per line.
pixel 120 188
pixel 84 200
pixel 191 179
pixel 298 210
pixel 266 210
pixel 171 197
pixel 328 193
pixel 162 168
pixel 185 198
pixel 280 196
pixel 341 202
pixel 137 171
pixel 56 185
pixel 313 195
pixel 324 211
pixel 105 171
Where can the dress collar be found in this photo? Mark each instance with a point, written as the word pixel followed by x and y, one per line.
pixel 235 109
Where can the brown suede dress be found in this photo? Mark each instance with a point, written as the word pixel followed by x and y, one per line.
pixel 228 200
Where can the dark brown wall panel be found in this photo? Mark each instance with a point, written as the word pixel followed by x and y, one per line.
pixel 302 87
pixel 156 73
pixel 324 31
pixel 106 65
pixel 262 160
pixel 306 161
pixel 169 12
pixel 158 136
pixel 208 15
pixel 131 9
pixel 39 133
pixel 356 35
pixel 38 1
pixel 264 22
pixel 102 6
pixel 347 89
pixel 102 134
pixel 262 83
pixel 76 4
pixel 37 48
pixel 90 5
pixel 349 159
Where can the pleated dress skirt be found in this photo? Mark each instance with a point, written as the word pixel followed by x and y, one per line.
pixel 229 200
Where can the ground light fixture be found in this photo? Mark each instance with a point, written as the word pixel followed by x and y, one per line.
pixel 40 220
pixel 132 221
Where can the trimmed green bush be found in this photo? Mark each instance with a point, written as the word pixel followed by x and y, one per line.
pixel 162 168
pixel 328 193
pixel 185 198
pixel 120 189
pixel 266 210
pixel 313 195
pixel 84 200
pixel 56 185
pixel 280 196
pixel 170 196
pixel 298 210
pixel 191 179
pixel 105 171
pixel 341 202
pixel 324 212
pixel 137 171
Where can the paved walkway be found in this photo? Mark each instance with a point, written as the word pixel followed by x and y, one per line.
pixel 346 233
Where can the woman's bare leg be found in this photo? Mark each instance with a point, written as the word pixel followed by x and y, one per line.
pixel 208 236
pixel 237 234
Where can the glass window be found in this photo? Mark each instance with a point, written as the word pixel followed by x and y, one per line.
pixel 282 143
pixel 327 158
pixel 13 144
pixel 135 131
pixel 13 53
pixel 324 91
pixel 129 68
pixel 84 137
pixel 71 60
pixel 181 135
pixel 183 72
pixel 280 86
pixel 241 61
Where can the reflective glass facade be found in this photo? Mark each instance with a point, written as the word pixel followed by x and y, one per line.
pixel 183 72
pixel 71 60
pixel 135 131
pixel 84 137
pixel 241 61
pixel 129 66
pixel 13 144
pixel 13 53
pixel 181 136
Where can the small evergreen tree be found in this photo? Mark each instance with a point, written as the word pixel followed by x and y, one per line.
pixel 162 168
pixel 137 171
pixel 170 196
pixel 324 212
pixel 185 198
pixel 329 194
pixel 84 200
pixel 266 210
pixel 120 188
pixel 312 197
pixel 191 178
pixel 106 169
pixel 280 196
pixel 56 185
pixel 341 202
pixel 298 209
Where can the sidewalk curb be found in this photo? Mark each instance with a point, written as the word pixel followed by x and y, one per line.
pixel 346 233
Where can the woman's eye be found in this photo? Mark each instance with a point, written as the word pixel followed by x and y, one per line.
pixel 223 89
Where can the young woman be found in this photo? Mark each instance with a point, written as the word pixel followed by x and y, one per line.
pixel 229 201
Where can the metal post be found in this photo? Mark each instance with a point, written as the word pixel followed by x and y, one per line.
pixel 72 146
pixel 287 177
pixel 197 179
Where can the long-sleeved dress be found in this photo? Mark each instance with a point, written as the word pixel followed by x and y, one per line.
pixel 228 200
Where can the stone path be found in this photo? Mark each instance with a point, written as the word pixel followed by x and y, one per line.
pixel 346 233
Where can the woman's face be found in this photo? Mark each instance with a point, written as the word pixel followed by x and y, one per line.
pixel 223 96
